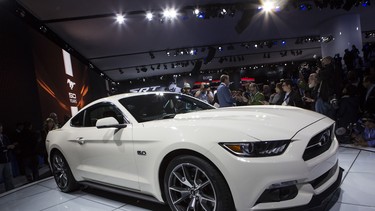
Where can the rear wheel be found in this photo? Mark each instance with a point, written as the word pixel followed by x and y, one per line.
pixel 62 173
pixel 191 183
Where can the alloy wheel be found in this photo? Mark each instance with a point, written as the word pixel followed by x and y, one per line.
pixel 60 169
pixel 190 189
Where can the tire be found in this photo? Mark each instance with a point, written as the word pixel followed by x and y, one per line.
pixel 191 183
pixel 62 173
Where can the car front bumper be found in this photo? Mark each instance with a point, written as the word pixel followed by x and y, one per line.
pixel 250 178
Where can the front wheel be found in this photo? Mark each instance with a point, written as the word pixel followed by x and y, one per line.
pixel 191 183
pixel 62 173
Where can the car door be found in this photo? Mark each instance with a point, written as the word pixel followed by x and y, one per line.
pixel 106 155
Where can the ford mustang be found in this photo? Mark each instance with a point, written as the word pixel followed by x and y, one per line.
pixel 172 148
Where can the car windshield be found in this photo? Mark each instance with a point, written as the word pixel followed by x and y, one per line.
pixel 161 106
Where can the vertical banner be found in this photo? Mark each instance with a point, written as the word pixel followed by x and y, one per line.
pixel 70 83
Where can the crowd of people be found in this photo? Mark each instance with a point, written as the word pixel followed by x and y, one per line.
pixel 24 151
pixel 346 95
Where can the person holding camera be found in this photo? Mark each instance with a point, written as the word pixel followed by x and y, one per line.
pixel 204 93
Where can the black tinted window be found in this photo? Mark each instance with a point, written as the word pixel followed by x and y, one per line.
pixel 77 121
pixel 161 106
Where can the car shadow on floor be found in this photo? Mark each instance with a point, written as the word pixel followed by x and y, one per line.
pixel 126 199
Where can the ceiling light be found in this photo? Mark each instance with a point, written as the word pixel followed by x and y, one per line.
pixel 268 6
pixel 196 11
pixel 149 16
pixel 170 13
pixel 120 18
pixel 223 11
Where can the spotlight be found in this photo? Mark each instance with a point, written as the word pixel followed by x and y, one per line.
pixel 152 67
pixel 305 7
pixel 170 14
pixel 220 48
pixel 222 13
pixel 137 68
pixel 283 42
pixel 256 46
pixel 158 67
pixel 149 16
pixel 268 6
pixel 193 52
pixel 232 12
pixel 165 67
pixel 366 3
pixel 152 55
pixel 199 14
pixel 121 71
pixel 120 18
pixel 144 69
pixel 327 39
pixel 168 53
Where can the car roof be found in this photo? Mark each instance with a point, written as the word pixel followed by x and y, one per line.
pixel 125 95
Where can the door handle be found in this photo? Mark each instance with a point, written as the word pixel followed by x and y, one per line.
pixel 80 140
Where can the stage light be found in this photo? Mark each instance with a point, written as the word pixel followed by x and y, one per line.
pixel 149 16
pixel 158 67
pixel 366 3
pixel 144 69
pixel 268 6
pixel 165 67
pixel 199 14
pixel 196 11
pixel 121 71
pixel 256 46
pixel 283 42
pixel 168 53
pixel 170 14
pixel 220 48
pixel 193 52
pixel 223 12
pixel 305 7
pixel 120 18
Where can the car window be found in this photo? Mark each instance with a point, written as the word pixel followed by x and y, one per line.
pixel 100 111
pixel 161 106
pixel 77 121
pixel 89 116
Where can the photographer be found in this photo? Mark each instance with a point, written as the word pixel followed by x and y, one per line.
pixel 204 93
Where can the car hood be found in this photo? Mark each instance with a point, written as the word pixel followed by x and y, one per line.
pixel 260 122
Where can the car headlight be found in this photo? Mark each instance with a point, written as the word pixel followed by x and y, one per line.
pixel 256 149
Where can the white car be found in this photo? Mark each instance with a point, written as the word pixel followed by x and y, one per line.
pixel 173 148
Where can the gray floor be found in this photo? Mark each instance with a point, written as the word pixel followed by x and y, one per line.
pixel 357 191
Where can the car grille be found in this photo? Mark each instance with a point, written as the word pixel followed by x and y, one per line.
pixel 319 144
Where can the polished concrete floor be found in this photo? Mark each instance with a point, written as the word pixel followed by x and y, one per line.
pixel 357 191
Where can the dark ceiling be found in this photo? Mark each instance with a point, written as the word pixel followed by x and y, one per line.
pixel 118 50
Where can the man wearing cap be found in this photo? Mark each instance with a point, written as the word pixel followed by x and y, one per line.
pixel 186 89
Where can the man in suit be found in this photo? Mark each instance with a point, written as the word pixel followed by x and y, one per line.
pixel 223 93
pixel 291 97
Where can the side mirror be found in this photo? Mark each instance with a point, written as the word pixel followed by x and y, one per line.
pixel 109 122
